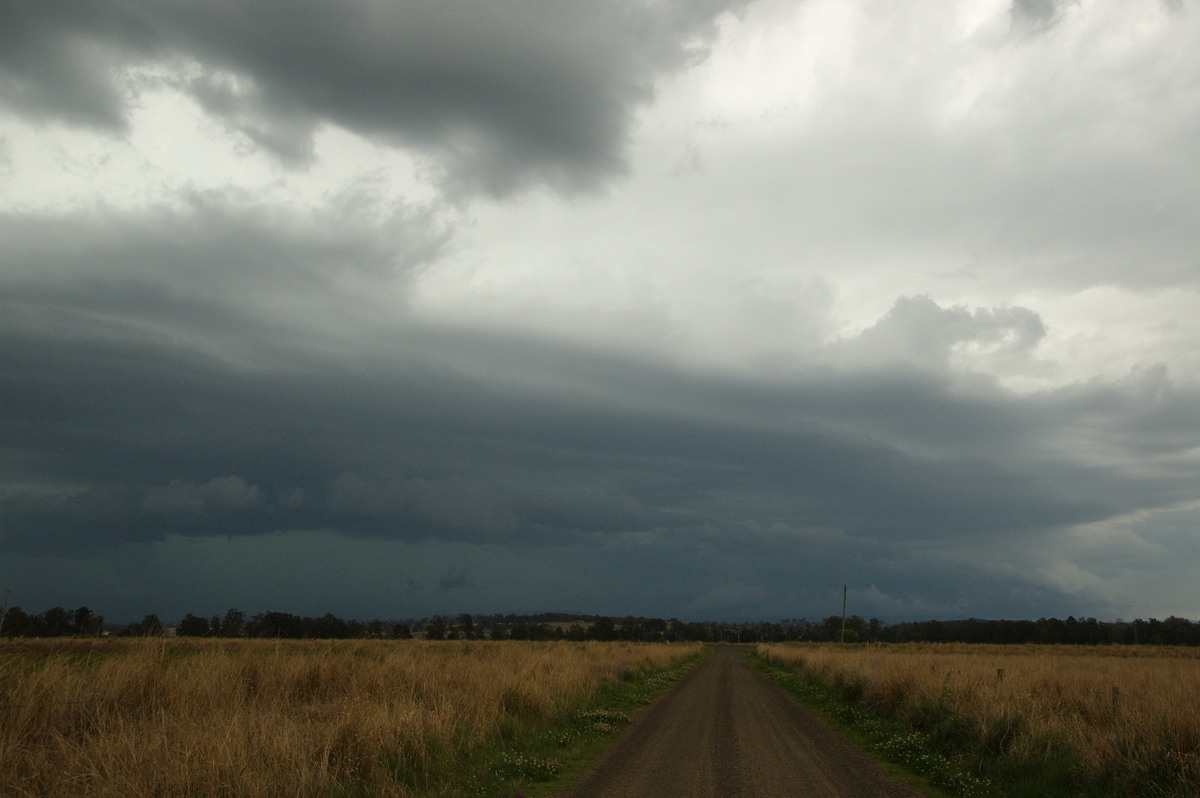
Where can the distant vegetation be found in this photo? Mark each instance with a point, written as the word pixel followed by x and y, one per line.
pixel 59 622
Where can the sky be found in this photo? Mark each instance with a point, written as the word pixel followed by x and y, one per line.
pixel 629 307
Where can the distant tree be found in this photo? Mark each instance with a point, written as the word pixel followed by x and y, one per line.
pixel 82 621
pixel 15 622
pixel 57 621
pixel 466 625
pixel 214 626
pixel 603 629
pixel 498 632
pixel 329 627
pixel 1050 630
pixel 234 624
pixel 1180 632
pixel 435 629
pixel 276 624
pixel 192 626
pixel 677 629
pixel 874 629
pixel 630 629
pixel 150 626
pixel 402 631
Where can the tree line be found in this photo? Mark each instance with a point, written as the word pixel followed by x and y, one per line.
pixel 54 622
pixel 60 622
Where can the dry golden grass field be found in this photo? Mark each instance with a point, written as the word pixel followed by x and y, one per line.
pixel 263 718
pixel 1122 715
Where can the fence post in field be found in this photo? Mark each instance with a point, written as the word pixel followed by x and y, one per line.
pixel 1116 696
pixel 999 674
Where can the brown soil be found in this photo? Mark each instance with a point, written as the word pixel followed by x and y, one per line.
pixel 725 731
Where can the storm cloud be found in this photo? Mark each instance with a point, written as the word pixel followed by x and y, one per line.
pixel 496 95
pixel 389 309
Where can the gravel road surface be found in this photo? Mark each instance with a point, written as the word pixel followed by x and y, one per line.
pixel 725 731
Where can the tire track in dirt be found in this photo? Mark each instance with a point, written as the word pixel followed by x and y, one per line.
pixel 726 732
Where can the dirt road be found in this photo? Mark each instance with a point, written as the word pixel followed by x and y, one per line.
pixel 726 732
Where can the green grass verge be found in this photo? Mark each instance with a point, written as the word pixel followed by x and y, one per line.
pixel 939 754
pixel 534 758
pixel 913 757
pixel 945 757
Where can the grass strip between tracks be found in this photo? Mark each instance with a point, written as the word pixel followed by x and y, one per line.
pixel 534 759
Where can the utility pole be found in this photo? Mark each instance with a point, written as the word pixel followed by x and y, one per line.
pixel 843 614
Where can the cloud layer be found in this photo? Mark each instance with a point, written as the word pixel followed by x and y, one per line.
pixel 664 308
pixel 497 96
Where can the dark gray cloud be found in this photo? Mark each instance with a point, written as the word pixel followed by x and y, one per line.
pixel 163 379
pixel 497 95
pixel 228 276
pixel 455 579
pixel 1037 15
pixel 241 364
pixel 66 62
pixel 116 436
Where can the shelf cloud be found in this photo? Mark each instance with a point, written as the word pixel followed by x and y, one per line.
pixel 656 308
